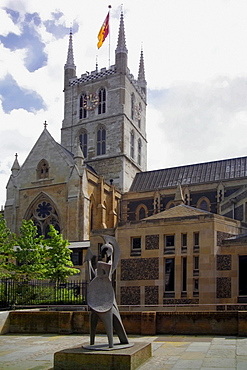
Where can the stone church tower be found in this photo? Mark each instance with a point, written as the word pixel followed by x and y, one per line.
pixel 105 111
pixel 76 185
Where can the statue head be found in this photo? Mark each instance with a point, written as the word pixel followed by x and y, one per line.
pixel 107 250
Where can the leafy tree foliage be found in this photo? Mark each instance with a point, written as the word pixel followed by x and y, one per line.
pixel 30 253
pixel 7 242
pixel 35 257
pixel 58 261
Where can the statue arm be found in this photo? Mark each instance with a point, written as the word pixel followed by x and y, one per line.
pixel 88 259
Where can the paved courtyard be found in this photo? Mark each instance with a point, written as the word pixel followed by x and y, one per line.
pixel 35 352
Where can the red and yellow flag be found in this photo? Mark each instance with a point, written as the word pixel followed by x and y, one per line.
pixel 104 31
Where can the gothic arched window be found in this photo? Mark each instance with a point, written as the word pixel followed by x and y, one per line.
pixel 132 106
pixel 101 140
pixel 102 101
pixel 132 144
pixel 139 113
pixel 204 204
pixel 92 214
pixel 43 213
pixel 82 110
pixel 139 151
pixel 170 204
pixel 43 170
pixel 83 142
pixel 141 212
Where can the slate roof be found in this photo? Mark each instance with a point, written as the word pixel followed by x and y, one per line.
pixel 226 169
pixel 181 210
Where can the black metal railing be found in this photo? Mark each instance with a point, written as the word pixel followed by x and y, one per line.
pixel 41 292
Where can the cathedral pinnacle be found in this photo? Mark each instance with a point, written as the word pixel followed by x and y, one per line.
pixel 121 52
pixel 179 194
pixel 16 167
pixel 141 75
pixel 121 45
pixel 141 72
pixel 78 155
pixel 70 55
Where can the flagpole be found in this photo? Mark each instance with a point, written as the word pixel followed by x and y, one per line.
pixel 109 60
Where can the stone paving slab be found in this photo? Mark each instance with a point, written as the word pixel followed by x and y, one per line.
pixel 36 352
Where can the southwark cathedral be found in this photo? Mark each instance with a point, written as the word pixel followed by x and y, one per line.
pixel 181 230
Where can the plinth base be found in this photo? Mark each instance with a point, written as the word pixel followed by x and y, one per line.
pixel 120 359
pixel 105 347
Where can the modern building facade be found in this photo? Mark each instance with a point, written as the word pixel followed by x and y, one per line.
pixel 181 256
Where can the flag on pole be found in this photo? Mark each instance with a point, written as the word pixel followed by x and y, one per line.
pixel 104 31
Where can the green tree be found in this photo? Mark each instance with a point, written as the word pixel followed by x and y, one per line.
pixel 7 242
pixel 58 262
pixel 29 254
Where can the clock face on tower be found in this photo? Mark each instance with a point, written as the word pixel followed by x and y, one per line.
pixel 90 101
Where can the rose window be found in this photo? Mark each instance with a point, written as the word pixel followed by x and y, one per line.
pixel 44 210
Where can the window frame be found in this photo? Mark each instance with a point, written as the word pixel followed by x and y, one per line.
pixel 135 250
pixel 184 274
pixel 133 99
pixel 84 145
pixel 102 101
pixel 132 144
pixel 43 169
pixel 169 249
pixel 196 241
pixel 242 272
pixel 184 243
pixel 82 111
pixel 101 140
pixel 139 154
pixel 169 287
pixel 79 258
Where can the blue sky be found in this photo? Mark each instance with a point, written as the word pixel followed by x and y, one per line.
pixel 15 97
pixel 29 39
pixel 195 62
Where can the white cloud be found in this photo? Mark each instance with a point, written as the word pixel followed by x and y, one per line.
pixel 7 25
pixel 201 122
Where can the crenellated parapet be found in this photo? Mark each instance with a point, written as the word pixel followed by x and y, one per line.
pixel 94 75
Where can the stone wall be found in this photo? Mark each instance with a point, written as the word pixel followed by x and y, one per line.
pixel 139 323
pixel 139 269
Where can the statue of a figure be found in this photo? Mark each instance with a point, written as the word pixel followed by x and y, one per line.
pixel 100 295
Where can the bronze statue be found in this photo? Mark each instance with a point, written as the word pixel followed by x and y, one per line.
pixel 100 296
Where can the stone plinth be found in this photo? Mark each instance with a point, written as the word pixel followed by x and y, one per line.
pixel 120 359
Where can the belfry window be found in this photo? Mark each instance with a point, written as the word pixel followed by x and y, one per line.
pixel 132 106
pixel 101 141
pixel 82 110
pixel 83 142
pixel 139 151
pixel 139 115
pixel 132 145
pixel 102 101
pixel 43 170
